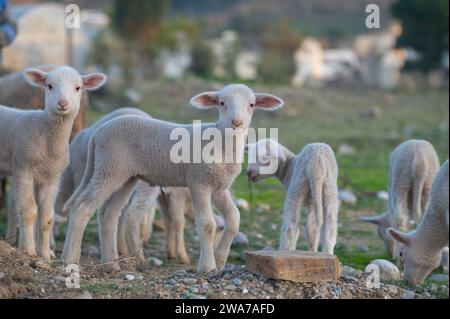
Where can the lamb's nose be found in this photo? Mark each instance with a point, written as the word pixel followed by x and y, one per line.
pixel 237 123
pixel 63 103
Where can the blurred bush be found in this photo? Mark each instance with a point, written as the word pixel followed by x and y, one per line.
pixel 203 60
pixel 425 29
pixel 279 43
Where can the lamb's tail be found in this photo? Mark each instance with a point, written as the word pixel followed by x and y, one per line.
pixel 88 172
pixel 66 188
pixel 316 185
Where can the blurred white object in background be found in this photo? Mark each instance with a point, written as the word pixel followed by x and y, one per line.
pixel 42 36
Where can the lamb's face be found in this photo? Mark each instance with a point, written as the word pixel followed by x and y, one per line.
pixel 236 104
pixel 63 88
pixel 63 91
pixel 417 267
pixel 417 264
pixel 264 154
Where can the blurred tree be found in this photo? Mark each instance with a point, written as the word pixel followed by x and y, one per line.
pixel 138 19
pixel 279 43
pixel 138 22
pixel 425 28
pixel 171 32
pixel 202 59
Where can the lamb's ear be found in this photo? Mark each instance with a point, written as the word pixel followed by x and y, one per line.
pixel 93 81
pixel 268 102
pixel 205 100
pixel 35 77
pixel 399 236
pixel 376 220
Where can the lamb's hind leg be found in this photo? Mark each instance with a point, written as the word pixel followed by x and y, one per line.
pixel 224 202
pixel 83 208
pixel 331 208
pixel 46 200
pixel 290 229
pixel 12 222
pixel 140 213
pixel 109 216
pixel 166 210
pixel 177 209
pixel 122 245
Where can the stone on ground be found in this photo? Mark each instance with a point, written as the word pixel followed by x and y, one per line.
pixel 297 266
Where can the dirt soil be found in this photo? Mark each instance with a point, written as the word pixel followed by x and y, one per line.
pixel 24 277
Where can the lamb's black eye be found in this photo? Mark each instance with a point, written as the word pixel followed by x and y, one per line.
pixel 50 86
pixel 78 89
pixel 252 105
pixel 222 103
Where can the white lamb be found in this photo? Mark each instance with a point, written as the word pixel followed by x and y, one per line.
pixel 421 249
pixel 34 150
pixel 135 225
pixel 309 177
pixel 413 166
pixel 131 148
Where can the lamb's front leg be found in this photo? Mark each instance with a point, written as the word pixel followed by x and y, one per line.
pixel 46 196
pixel 25 206
pixel 224 202
pixel 291 223
pixel 206 227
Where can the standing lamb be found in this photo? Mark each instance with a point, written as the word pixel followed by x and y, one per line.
pixel 413 166
pixel 139 212
pixel 16 92
pixel 310 177
pixel 421 249
pixel 34 150
pixel 131 148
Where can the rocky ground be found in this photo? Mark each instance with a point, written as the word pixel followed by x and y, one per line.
pixel 22 277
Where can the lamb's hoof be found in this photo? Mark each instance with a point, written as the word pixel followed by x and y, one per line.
pixel 30 252
pixel 206 269
pixel 185 260
pixel 171 256
pixel 112 268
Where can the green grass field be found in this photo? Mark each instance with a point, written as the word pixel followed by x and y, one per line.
pixel 333 116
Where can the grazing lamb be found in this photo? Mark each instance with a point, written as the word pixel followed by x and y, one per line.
pixel 421 249
pixel 413 166
pixel 131 148
pixel 310 177
pixel 16 92
pixel 34 150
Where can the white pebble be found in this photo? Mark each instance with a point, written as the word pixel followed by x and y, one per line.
pixel 383 195
pixel 130 277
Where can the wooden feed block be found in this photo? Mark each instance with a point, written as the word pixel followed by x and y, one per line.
pixel 297 266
